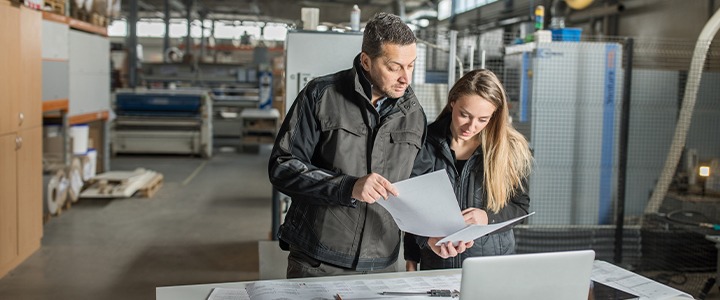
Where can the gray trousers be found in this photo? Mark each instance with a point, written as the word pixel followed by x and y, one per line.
pixel 301 265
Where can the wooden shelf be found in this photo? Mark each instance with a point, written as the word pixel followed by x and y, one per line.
pixel 55 105
pixel 75 23
pixel 88 117
pixel 87 27
pixel 48 16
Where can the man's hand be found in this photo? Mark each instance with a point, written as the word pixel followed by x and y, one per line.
pixel 446 250
pixel 475 216
pixel 372 187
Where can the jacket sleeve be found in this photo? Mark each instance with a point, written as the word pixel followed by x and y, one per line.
pixel 423 161
pixel 411 250
pixel 290 168
pixel 519 205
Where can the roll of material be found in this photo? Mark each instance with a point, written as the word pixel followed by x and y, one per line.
pixel 75 179
pixel 88 161
pixel 55 192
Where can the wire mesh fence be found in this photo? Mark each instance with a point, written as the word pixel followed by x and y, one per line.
pixel 590 187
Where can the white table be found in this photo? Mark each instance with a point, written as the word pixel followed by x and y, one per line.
pixel 201 291
pixel 607 273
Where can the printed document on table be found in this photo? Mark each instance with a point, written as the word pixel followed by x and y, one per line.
pixel 624 280
pixel 349 288
pixel 472 232
pixel 228 294
pixel 427 205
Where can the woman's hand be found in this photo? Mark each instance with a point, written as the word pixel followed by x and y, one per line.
pixel 447 250
pixel 410 265
pixel 475 216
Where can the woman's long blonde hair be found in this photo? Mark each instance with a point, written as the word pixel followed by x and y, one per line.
pixel 507 157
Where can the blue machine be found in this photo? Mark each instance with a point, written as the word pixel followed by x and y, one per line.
pixel 162 121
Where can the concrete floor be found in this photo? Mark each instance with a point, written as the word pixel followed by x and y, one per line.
pixel 202 226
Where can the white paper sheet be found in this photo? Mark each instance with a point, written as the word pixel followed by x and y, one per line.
pixel 427 206
pixel 350 289
pixel 472 232
pixel 228 294
pixel 621 279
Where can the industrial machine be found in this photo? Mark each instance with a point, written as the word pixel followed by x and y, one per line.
pixel 228 103
pixel 568 100
pixel 162 121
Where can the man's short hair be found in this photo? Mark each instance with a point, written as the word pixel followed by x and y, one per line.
pixel 385 28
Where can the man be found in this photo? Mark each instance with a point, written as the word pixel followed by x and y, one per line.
pixel 346 138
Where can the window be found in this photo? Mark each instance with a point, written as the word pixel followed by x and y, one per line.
pixel 446 8
pixel 223 29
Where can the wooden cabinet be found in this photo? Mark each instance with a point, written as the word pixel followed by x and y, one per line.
pixel 29 109
pixel 29 190
pixel 21 200
pixel 8 201
pixel 20 135
pixel 9 66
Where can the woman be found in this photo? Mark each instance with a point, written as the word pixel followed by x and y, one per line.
pixel 487 161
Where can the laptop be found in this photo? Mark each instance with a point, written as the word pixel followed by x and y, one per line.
pixel 538 276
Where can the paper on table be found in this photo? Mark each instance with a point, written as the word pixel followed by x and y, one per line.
pixel 471 232
pixel 624 280
pixel 349 288
pixel 426 206
pixel 228 294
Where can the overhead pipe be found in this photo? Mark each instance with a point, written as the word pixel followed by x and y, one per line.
pixel 578 4
pixel 422 14
pixel 234 17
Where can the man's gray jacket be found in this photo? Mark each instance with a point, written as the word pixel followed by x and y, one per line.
pixel 332 136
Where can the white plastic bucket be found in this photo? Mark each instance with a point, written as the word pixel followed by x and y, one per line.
pixel 79 135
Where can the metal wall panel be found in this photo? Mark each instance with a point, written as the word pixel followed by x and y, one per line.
pixel 55 80
pixel 89 73
pixel 55 40
pixel 310 54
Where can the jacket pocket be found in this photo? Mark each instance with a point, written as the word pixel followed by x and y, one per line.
pixel 399 154
pixel 342 146
pixel 332 124
pixel 406 137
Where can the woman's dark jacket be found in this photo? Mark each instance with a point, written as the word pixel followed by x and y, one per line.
pixel 469 190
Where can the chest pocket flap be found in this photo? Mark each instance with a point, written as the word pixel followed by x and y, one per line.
pixel 406 137
pixel 328 124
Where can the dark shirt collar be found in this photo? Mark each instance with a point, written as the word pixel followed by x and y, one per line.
pixel 364 81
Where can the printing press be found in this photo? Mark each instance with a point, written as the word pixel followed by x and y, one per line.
pixel 162 121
